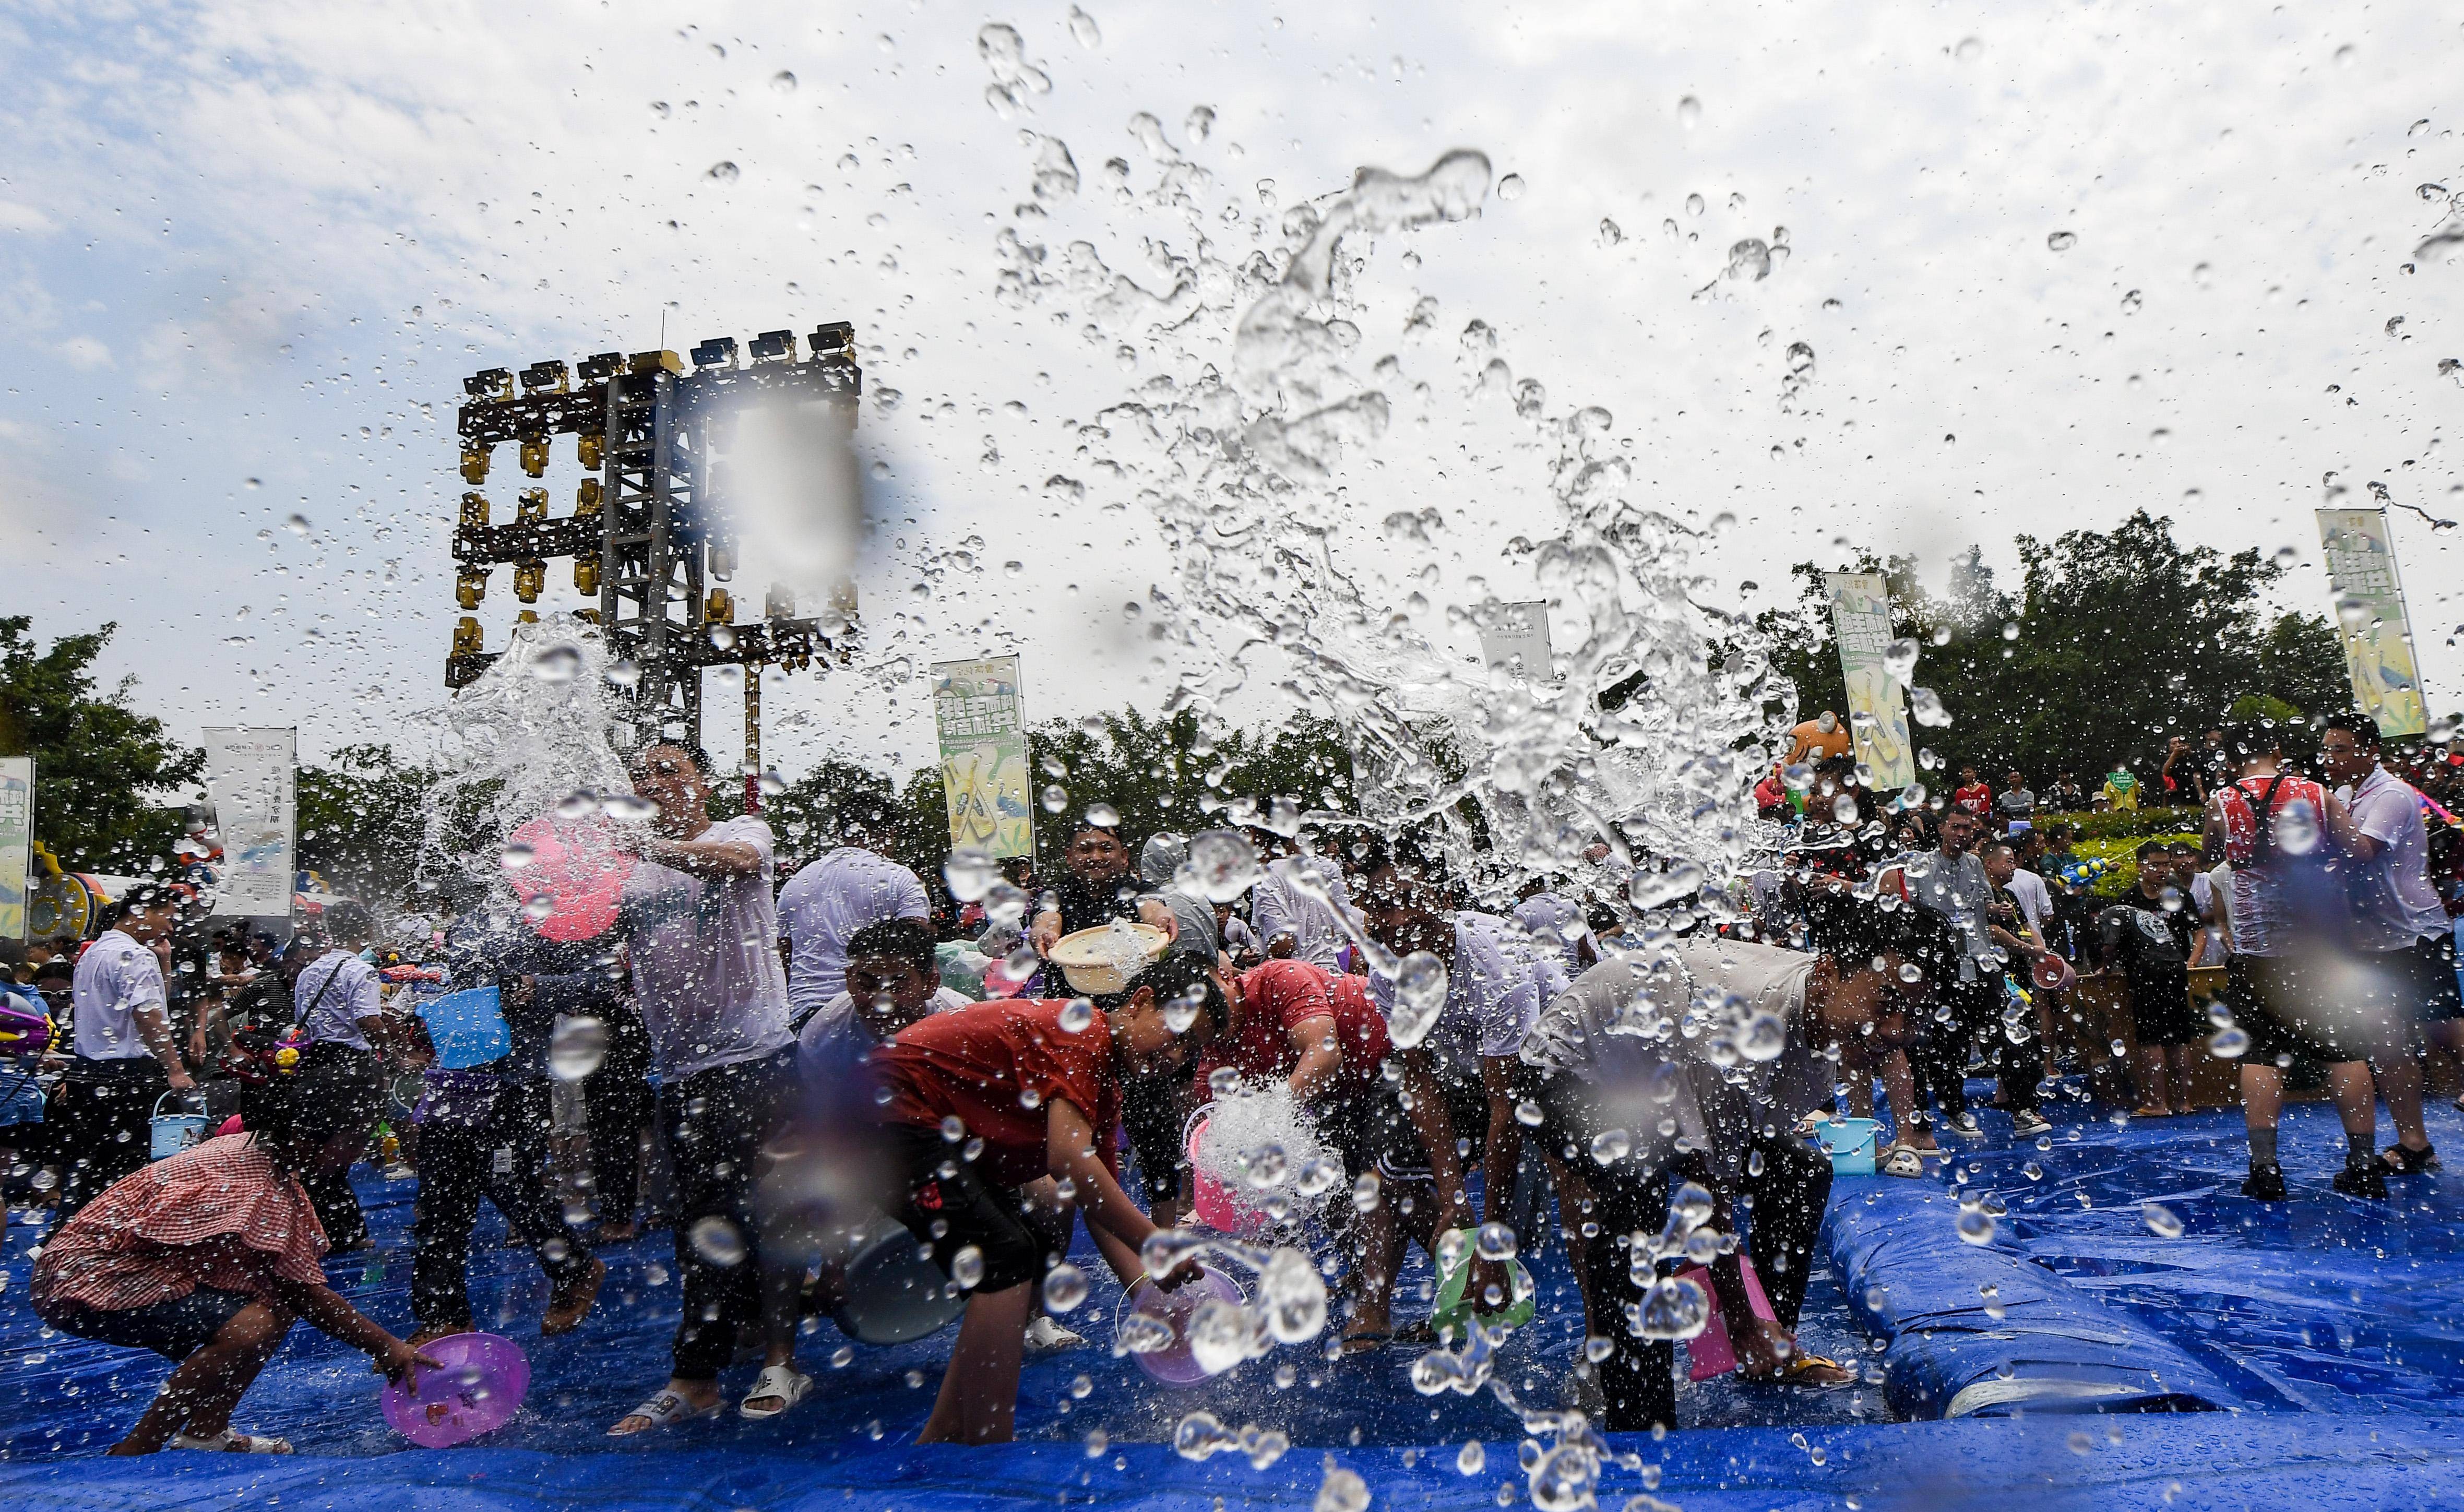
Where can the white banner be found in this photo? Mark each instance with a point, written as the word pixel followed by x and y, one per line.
pixel 1515 645
pixel 2371 620
pixel 16 836
pixel 252 777
pixel 1878 708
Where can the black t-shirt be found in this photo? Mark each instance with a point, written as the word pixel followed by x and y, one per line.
pixel 2151 943
pixel 1085 905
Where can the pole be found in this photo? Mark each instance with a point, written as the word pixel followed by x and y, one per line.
pixel 753 738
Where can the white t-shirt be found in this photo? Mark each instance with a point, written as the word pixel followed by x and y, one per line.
pixel 1555 924
pixel 114 977
pixel 1277 907
pixel 2035 902
pixel 831 1036
pixel 706 958
pixel 2400 905
pixel 1493 995
pixel 354 994
pixel 825 903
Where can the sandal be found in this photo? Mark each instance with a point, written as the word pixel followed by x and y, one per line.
pixel 663 1409
pixel 2402 1162
pixel 1903 1160
pixel 2152 1110
pixel 1367 1340
pixel 230 1442
pixel 1792 1371
pixel 782 1384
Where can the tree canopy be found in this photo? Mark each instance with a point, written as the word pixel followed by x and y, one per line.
pixel 108 780
pixel 2113 641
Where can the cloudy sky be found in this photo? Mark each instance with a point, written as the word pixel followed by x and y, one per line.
pixel 249 250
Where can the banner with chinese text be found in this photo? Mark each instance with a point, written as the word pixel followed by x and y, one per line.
pixel 1878 705
pixel 2370 619
pixel 252 778
pixel 982 726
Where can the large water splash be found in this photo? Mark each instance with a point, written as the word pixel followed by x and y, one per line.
pixel 1260 446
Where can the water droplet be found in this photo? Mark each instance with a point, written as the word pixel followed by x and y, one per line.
pixel 1611 1145
pixel 516 856
pixel 2345 55
pixel 576 1049
pixel 783 82
pixel 2131 302
pixel 1076 1014
pixel 1609 234
pixel 1082 27
pixel 253 483
pixel 557 664
pixel 2062 241
pixel 1511 187
pixel 1199 123
pixel 1064 1288
pixel 2229 1044
pixel 970 873
pixel 1471 1459
pixel 2161 1220
pixel 1968 50
pixel 716 1240
pixel 296 524
pixel 724 172
pixel 1689 113
pixel 967 1267
pixel 1976 1226
pixel 1694 204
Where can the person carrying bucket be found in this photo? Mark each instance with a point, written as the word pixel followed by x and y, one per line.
pixel 1040 1085
pixel 206 1259
pixel 1617 1082
pixel 126 1055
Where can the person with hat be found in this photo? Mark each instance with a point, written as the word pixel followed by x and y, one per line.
pixel 126 1055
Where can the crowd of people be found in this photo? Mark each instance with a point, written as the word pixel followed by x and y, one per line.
pixel 773 1069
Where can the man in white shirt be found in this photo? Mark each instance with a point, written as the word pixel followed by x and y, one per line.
pixel 1295 918
pixel 702 930
pixel 2400 925
pixel 338 1006
pixel 823 905
pixel 126 1058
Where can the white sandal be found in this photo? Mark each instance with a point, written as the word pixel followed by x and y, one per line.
pixel 782 1381
pixel 230 1442
pixel 665 1409
pixel 1904 1160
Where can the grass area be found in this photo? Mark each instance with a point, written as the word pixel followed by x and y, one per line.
pixel 2121 852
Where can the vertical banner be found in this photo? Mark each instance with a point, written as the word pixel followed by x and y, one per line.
pixel 1515 645
pixel 2370 619
pixel 1878 705
pixel 252 777
pixel 16 842
pixel 981 723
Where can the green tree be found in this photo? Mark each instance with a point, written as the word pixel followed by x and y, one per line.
pixel 108 780
pixel 2113 641
pixel 362 816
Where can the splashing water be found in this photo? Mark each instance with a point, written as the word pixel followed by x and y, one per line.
pixel 1261 1148
pixel 1255 437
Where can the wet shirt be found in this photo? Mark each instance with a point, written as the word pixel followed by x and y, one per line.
pixel 1087 904
pixel 705 958
pixel 1278 997
pixel 1554 923
pixel 215 1214
pixel 2394 902
pixel 1278 905
pixel 1956 888
pixel 114 977
pixel 333 994
pixel 2267 904
pixel 995 1066
pixel 836 1038
pixel 825 903
pixel 1493 997
pixel 2151 944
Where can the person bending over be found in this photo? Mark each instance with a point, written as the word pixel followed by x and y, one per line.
pixel 1040 1085
pixel 206 1259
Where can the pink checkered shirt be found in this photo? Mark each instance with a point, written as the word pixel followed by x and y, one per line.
pixel 216 1215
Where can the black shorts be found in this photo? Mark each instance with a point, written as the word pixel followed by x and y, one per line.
pixel 2289 1008
pixel 1154 1113
pixel 1397 1151
pixel 2161 1012
pixel 948 1203
pixel 1371 1131
pixel 174 1328
pixel 2437 996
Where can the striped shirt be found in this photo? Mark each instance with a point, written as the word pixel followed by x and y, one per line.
pixel 218 1216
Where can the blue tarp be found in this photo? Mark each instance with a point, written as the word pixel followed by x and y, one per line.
pixel 2342 1373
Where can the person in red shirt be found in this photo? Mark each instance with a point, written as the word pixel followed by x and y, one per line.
pixel 1974 793
pixel 206 1259
pixel 979 1103
pixel 1318 1032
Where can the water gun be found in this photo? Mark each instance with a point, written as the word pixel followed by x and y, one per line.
pixel 2080 873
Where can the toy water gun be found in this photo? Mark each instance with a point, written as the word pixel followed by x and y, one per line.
pixel 407 972
pixel 2080 873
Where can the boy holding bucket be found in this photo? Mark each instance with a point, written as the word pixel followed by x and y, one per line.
pixel 985 1100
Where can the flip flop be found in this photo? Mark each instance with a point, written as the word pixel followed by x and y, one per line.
pixel 664 1410
pixel 231 1442
pixel 2402 1162
pixel 1903 1160
pixel 1368 1341
pixel 783 1382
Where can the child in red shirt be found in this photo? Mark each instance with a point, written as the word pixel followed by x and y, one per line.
pixel 982 1101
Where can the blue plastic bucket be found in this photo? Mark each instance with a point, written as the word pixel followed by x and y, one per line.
pixel 1849 1142
pixel 467 1028
pixel 173 1133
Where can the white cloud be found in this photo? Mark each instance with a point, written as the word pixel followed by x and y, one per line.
pixel 85 354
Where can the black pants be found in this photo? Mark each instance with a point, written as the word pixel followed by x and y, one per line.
pixel 503 1158
pixel 617 1102
pixel 1787 1202
pixel 716 1122
pixel 102 1126
pixel 1639 1377
pixel 353 1078
pixel 958 1208
pixel 1939 1059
